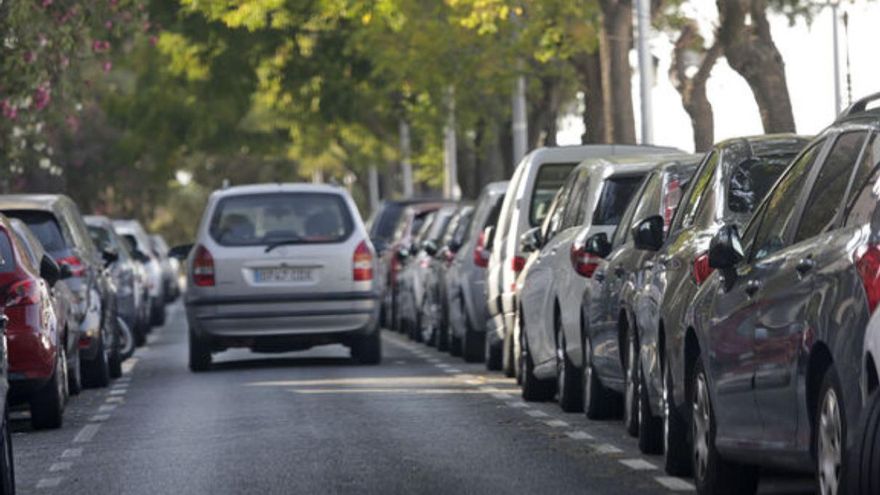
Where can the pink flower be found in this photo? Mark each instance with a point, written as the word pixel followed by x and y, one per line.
pixel 108 24
pixel 46 3
pixel 108 66
pixel 100 46
pixel 9 110
pixel 42 97
pixel 29 57
pixel 72 123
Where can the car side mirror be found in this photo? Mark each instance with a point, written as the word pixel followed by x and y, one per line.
pixel 180 252
pixel 430 247
pixel 725 248
pixel 648 234
pixel 49 270
pixel 403 254
pixel 66 271
pixel 598 245
pixel 531 240
pixel 454 245
pixel 110 256
pixel 413 249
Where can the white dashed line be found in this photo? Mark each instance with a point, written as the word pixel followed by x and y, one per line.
pixel 450 371
pixel 118 391
pixel 49 482
pixel 86 433
pixel 114 399
pixel 60 466
pixel 69 453
pixel 675 484
pixel 517 404
pixel 556 423
pixel 473 382
pixel 535 413
pixel 443 366
pixel 454 370
pixel 607 448
pixel 107 408
pixel 489 390
pixel 100 417
pixel 638 464
pixel 501 396
pixel 578 435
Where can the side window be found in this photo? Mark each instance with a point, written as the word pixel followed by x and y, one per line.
pixel 556 212
pixel 688 209
pixel 781 205
pixel 863 194
pixel 575 200
pixel 826 198
pixel 646 195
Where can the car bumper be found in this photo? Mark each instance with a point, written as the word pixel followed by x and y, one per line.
pixel 31 354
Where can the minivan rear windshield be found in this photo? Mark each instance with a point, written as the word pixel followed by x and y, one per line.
pixel 550 178
pixel 615 197
pixel 45 227
pixel 297 218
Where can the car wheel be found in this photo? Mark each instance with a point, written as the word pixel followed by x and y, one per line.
pixel 492 354
pixel 74 374
pixel 367 348
pixel 677 460
pixel 631 387
pixel 7 466
pixel 568 377
pixel 712 473
pixel 599 402
pixel 47 403
pixel 507 362
pixel 96 373
pixel 534 389
pixel 199 353
pixel 862 473
pixel 650 427
pixel 472 345
pixel 126 339
pixel 157 314
pixel 830 436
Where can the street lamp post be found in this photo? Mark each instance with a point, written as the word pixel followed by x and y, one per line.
pixel 646 75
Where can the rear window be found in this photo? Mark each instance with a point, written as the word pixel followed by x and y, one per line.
pixel 384 224
pixel 301 218
pixel 551 177
pixel 752 179
pixel 45 227
pixel 616 194
pixel 100 237
pixel 7 259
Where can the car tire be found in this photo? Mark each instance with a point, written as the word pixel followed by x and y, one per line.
pixel 507 361
pixel 47 403
pixel 7 464
pixel 199 353
pixel 712 473
pixel 157 314
pixel 492 354
pixel 829 438
pixel 650 427
pixel 96 373
pixel 74 374
pixel 568 386
pixel 676 450
pixel 598 401
pixel 533 388
pixel 114 363
pixel 862 473
pixel 126 339
pixel 367 348
pixel 631 398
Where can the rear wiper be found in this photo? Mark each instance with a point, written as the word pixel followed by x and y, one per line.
pixel 293 240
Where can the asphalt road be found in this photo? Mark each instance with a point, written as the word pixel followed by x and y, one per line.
pixel 313 422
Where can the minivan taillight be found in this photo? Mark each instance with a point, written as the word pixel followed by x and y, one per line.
pixel 584 263
pixel 77 269
pixel 23 293
pixel 203 268
pixel 517 263
pixel 868 266
pixel 701 269
pixel 481 255
pixel 362 270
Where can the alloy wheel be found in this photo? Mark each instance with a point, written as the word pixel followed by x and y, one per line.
pixel 702 423
pixel 829 450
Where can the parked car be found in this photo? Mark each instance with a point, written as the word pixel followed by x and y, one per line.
pixel 142 249
pixel 36 343
pixel 384 222
pixel 570 245
pixel 281 267
pixel 7 464
pixel 169 267
pixel 776 332
pixel 435 308
pixel 731 181
pixel 864 457
pixel 132 307
pixel 56 221
pixel 535 182
pixel 607 304
pixel 466 277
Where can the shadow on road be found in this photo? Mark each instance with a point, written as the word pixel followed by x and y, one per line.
pixel 281 362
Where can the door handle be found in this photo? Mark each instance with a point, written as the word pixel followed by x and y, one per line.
pixel 805 265
pixel 619 271
pixel 752 286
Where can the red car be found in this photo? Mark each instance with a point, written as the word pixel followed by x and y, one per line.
pixel 37 356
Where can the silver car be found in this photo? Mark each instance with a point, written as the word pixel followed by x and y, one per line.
pixel 281 267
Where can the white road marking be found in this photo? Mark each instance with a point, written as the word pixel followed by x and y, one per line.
pixel 501 396
pixel 100 417
pixel 114 398
pixel 450 371
pixel 535 413
pixel 129 364
pixel 578 435
pixel 638 464
pixel 607 448
pixel 556 423
pixel 107 408
pixel 87 433
pixel 473 382
pixel 118 391
pixel 675 484
pixel 60 466
pixel 454 370
pixel 517 404
pixel 68 453
pixel 49 482
pixel 442 365
pixel 399 362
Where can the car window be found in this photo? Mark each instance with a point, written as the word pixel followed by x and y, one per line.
pixel 573 211
pixel 7 258
pixel 259 219
pixel 551 176
pixel 45 227
pixel 649 187
pixel 781 205
pixel 826 198
pixel 674 184
pixel 865 193
pixel 749 182
pixel 553 220
pixel 688 209
pixel 383 224
pixel 616 194
pixel 101 237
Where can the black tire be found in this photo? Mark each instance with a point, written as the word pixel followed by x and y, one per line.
pixel 126 340
pixel 96 373
pixel 74 374
pixel 157 314
pixel 199 353
pixel 650 427
pixel 677 450
pixel 507 361
pixel 830 392
pixel 862 473
pixel 712 473
pixel 114 363
pixel 7 464
pixel 47 403
pixel 367 348
pixel 492 354
pixel 598 401
pixel 454 345
pixel 473 346
pixel 631 398
pixel 568 377
pixel 534 389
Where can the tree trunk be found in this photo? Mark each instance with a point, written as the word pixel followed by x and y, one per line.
pixel 543 114
pixel 588 67
pixel 693 88
pixel 616 42
pixel 744 33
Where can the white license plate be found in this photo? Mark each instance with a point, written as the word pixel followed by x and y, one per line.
pixel 283 274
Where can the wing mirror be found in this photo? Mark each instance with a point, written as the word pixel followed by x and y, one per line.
pixel 403 254
pixel 430 247
pixel 598 245
pixel 50 271
pixel 648 234
pixel 725 248
pixel 110 256
pixel 454 245
pixel 532 240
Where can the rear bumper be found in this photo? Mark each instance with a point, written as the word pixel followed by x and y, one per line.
pixel 31 354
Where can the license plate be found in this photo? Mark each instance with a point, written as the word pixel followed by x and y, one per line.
pixel 283 274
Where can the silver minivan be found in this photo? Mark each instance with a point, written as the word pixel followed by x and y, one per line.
pixel 278 268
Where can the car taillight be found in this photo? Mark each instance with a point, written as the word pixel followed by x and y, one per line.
pixel 701 269
pixel 23 293
pixel 670 202
pixel 77 269
pixel 517 264
pixel 584 263
pixel 868 266
pixel 481 255
pixel 203 268
pixel 362 270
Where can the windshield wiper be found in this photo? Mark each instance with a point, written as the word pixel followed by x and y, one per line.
pixel 284 242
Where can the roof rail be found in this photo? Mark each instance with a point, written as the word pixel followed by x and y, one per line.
pixel 860 105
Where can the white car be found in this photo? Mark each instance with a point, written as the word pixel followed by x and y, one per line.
pixel 278 268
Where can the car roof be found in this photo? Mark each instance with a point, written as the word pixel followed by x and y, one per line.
pixel 578 152
pixel 46 202
pixel 290 187
pixel 611 166
pixel 98 220
pixel 499 187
